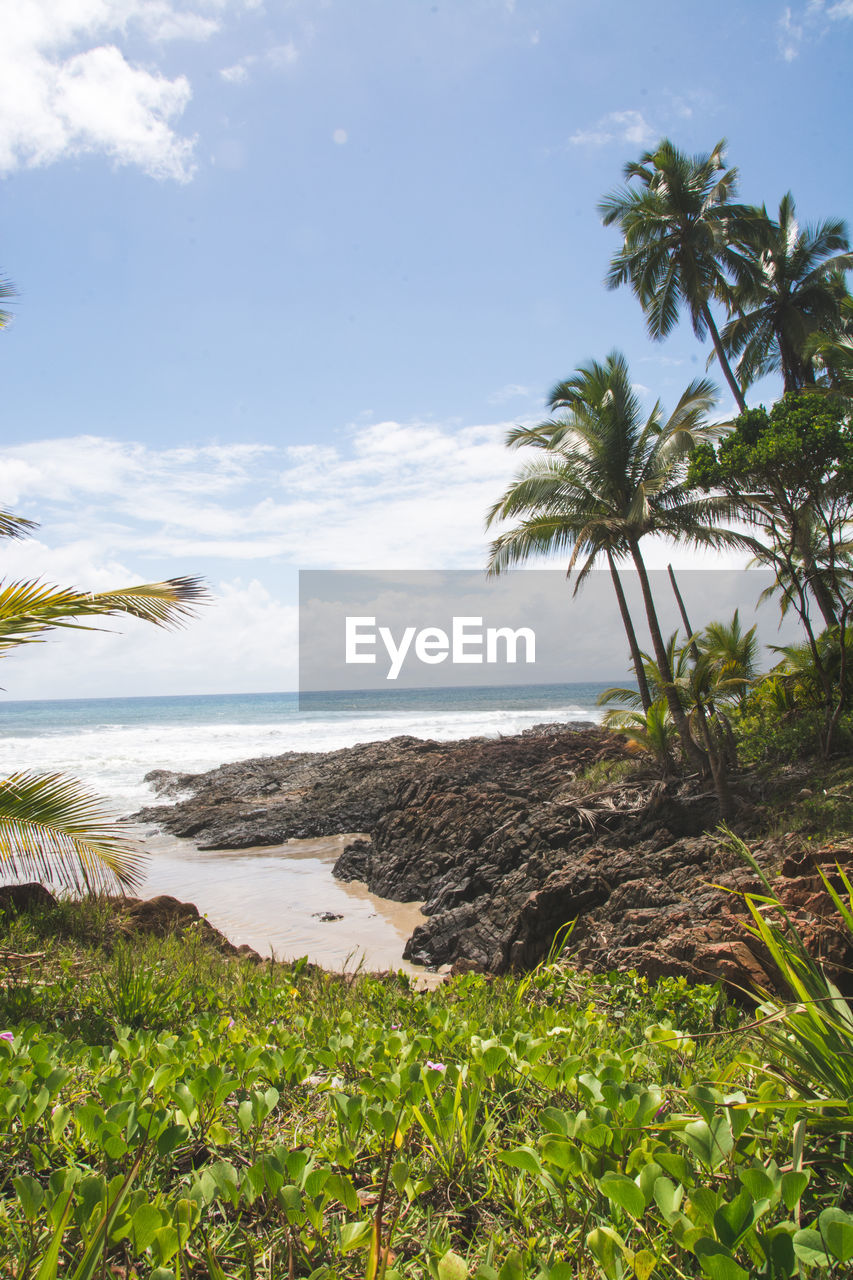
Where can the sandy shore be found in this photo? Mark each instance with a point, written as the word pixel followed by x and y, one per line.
pixel 273 898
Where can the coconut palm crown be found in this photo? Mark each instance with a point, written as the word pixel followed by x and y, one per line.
pixel 680 232
pixel 793 293
pixel 610 475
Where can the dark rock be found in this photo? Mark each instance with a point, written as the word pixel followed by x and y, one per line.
pixel 327 916
pixel 23 898
pixel 505 847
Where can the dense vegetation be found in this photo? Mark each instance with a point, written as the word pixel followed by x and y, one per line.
pixel 170 1113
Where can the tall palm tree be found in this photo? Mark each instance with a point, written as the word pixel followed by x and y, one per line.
pixel 50 827
pixel 793 291
pixel 608 478
pixel 679 248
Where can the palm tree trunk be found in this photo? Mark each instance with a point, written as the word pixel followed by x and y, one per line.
pixel 721 356
pixel 692 750
pixel 716 759
pixel 636 656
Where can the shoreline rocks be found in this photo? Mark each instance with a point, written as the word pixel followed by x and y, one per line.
pixel 507 840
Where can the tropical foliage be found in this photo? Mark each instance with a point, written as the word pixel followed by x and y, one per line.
pixel 611 475
pixel 198 1117
pixel 51 828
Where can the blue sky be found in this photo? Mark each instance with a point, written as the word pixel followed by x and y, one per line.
pixel 288 270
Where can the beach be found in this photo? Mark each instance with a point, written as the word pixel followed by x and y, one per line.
pixel 271 897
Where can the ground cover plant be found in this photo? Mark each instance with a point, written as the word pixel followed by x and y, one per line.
pixel 169 1112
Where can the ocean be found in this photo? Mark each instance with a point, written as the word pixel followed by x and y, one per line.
pixel 270 898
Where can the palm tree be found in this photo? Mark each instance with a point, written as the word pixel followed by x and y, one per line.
pixel 50 827
pixel 732 656
pixel 679 228
pixel 609 478
pixel 793 291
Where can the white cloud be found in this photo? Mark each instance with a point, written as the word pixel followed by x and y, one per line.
pixel 401 495
pixel 617 126
pixel 789 34
pixel 794 28
pixel 391 496
pixel 239 72
pixel 512 391
pixel 67 87
pixel 279 57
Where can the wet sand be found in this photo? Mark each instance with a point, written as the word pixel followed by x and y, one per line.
pixel 271 898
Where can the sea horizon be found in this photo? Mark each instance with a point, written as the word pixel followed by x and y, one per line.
pixel 266 897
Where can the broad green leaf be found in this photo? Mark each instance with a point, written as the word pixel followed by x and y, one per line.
pixel 624 1192
pixel 355 1235
pixel 145 1223
pixel 341 1189
pixel 733 1219
pixel 608 1249
pixel 30 1192
pixel 524 1158
pixel 513 1267
pixel 452 1267
pixel 644 1264
pixel 810 1249
pixel 794 1183
pixel 668 1197
pixel 836 1227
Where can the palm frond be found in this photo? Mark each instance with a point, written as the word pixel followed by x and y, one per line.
pixel 52 829
pixel 29 609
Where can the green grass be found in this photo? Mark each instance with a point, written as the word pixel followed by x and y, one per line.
pixel 167 1112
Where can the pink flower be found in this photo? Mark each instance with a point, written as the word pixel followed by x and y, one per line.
pixel 7 1035
pixel 436 1066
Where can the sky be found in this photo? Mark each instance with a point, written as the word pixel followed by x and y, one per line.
pixel 289 269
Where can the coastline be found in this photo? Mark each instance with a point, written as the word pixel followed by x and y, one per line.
pixel 505 842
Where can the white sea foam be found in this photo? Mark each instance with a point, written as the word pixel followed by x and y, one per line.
pixel 114 758
pixel 267 897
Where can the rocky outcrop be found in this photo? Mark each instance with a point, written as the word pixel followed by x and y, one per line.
pixel 506 841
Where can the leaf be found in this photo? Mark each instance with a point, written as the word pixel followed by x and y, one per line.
pixel 524 1158
pixel 644 1264
pixel 30 1192
pixel 145 1222
pixel 721 1266
pixel 709 1143
pixel 341 1188
pixel 794 1183
pixel 513 1267
pixel 50 1262
pixel 624 1192
pixel 733 1219
pixel 608 1248
pixel 668 1198
pixel 563 1154
pixel 810 1249
pixel 836 1227
pixel 355 1235
pixel 452 1267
